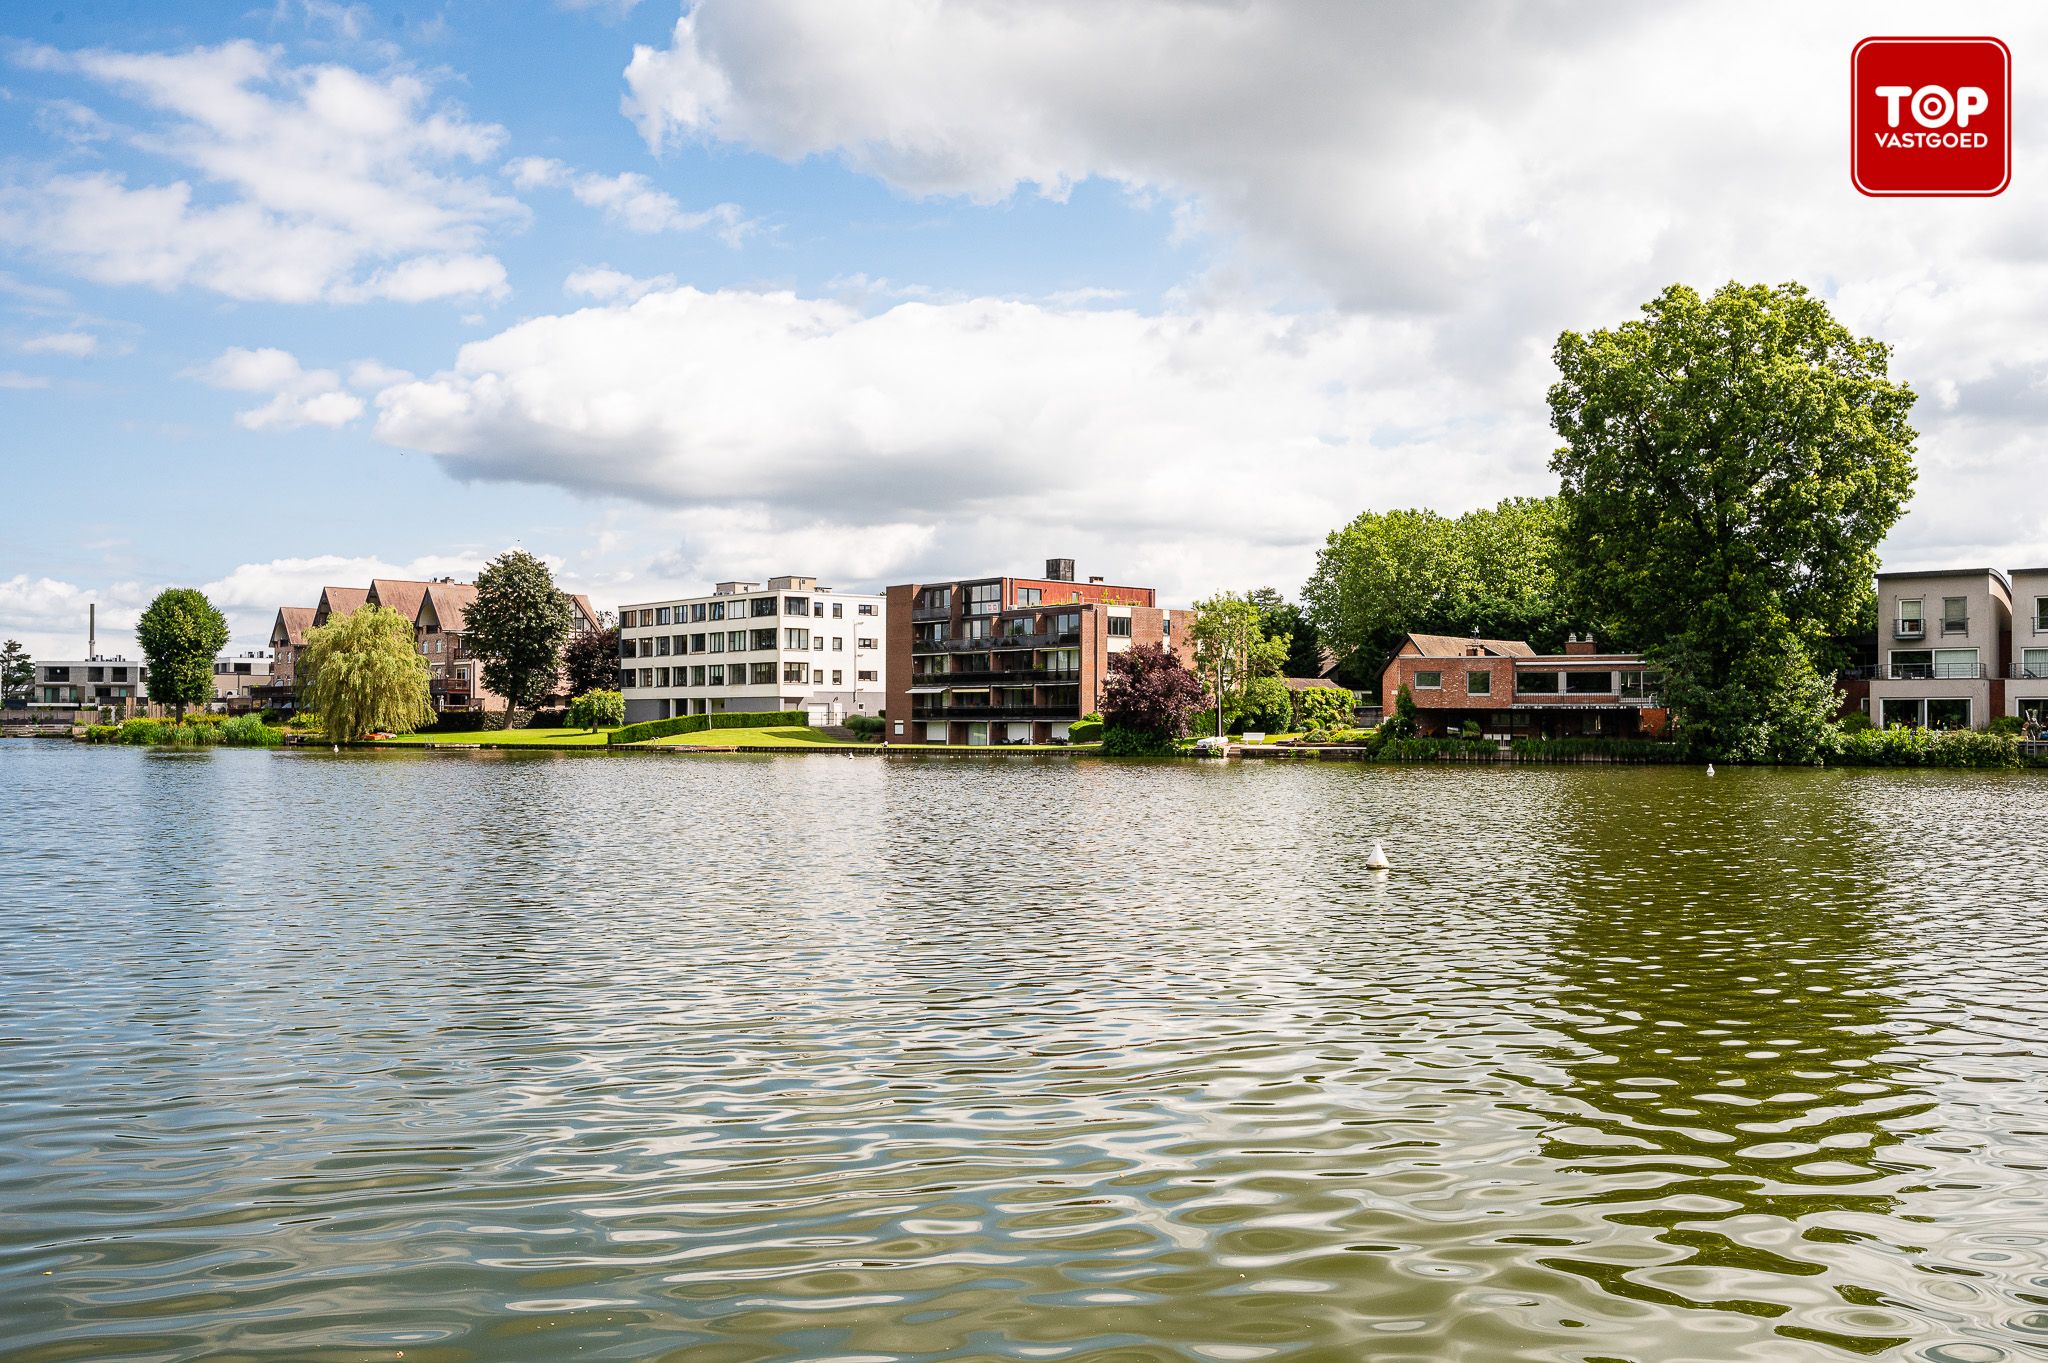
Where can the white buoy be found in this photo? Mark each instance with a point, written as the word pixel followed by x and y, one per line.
pixel 1376 860
pixel 1710 768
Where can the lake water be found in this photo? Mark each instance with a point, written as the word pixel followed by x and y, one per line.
pixel 495 1058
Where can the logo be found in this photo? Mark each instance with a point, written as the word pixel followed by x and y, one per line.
pixel 1930 117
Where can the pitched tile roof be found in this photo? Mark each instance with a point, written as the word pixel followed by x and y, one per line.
pixel 584 608
pixel 398 594
pixel 1451 646
pixel 340 600
pixel 450 601
pixel 294 621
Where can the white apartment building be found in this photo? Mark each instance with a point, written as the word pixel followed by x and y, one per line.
pixel 786 645
pixel 2026 686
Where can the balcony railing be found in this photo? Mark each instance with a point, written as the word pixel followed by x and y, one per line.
pixel 931 612
pixel 1909 629
pixel 980 712
pixel 1961 626
pixel 1021 676
pixel 2022 672
pixel 1934 672
pixel 1064 638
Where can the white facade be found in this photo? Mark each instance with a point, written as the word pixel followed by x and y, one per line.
pixel 1940 640
pixel 112 681
pixel 786 645
pixel 240 674
pixel 2026 687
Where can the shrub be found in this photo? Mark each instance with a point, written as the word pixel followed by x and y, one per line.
pixel 867 727
pixel 169 733
pixel 1323 707
pixel 1085 730
pixel 2011 726
pixel 1855 722
pixel 1587 749
pixel 1264 706
pixel 102 733
pixel 1471 729
pixel 1903 747
pixel 690 724
pixel 1398 749
pixel 249 731
pixel 1402 723
pixel 599 709
pixel 1120 740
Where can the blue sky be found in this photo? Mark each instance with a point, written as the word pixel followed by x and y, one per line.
pixel 295 295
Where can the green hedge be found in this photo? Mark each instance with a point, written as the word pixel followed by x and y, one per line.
pixel 1085 731
pixel 691 724
pixel 1589 749
pixel 1433 749
pixel 1902 747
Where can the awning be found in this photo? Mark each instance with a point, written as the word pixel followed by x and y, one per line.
pixel 926 690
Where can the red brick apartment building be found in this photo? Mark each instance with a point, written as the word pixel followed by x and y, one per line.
pixel 995 660
pixel 1512 691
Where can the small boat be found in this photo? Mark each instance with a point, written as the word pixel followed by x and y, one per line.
pixel 1212 747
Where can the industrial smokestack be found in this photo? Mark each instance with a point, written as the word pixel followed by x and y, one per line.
pixel 92 630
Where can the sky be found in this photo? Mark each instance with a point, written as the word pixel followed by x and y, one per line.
pixel 888 290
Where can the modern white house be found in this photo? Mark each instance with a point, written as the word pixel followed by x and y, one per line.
pixel 117 682
pixel 1943 639
pixel 236 677
pixel 788 644
pixel 2026 683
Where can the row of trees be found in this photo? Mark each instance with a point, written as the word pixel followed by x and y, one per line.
pixel 1730 464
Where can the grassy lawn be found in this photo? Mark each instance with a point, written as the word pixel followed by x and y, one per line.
pixel 504 737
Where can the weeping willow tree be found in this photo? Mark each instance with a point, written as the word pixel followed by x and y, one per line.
pixel 362 674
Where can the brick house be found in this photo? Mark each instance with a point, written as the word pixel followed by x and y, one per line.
pixel 1511 691
pixel 996 660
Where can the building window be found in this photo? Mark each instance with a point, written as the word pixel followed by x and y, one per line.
pixel 2041 615
pixel 661 646
pixel 974 629
pixel 1945 712
pixel 1955 619
pixel 839 645
pixel 697 675
pixel 765 605
pixel 1030 596
pixel 715 675
pixel 1119 626
pixel 1478 683
pixel 796 605
pixel 736 641
pixel 1429 681
pixel 661 676
pixel 764 674
pixel 662 615
pixel 984 598
pixel 696 643
pixel 798 673
pixel 717 609
pixel 839 678
pixel 865 676
pixel 2034 663
pixel 796 638
pixel 865 643
pixel 1589 683
pixel 1536 683
pixel 764 639
pixel 1067 622
pixel 838 610
pixel 868 607
pixel 716 642
pixel 646 647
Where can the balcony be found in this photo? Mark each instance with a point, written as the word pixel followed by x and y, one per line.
pixel 1933 672
pixel 1909 629
pixel 931 612
pixel 1022 676
pixel 984 712
pixel 2020 672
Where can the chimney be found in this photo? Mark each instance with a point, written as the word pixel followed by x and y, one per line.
pixel 1092 577
pixel 1579 645
pixel 1059 570
pixel 92 630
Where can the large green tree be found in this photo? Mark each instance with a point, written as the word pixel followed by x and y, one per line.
pixel 362 673
pixel 17 673
pixel 1231 642
pixel 181 633
pixel 516 627
pixel 1730 465
pixel 1493 572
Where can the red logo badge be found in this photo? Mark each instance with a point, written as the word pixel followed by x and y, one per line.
pixel 1930 116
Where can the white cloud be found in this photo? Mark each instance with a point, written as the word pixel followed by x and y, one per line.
pixel 1480 176
pixel 48 616
pixel 308 182
pixel 77 344
pixel 604 283
pixel 18 381
pixel 1120 427
pixel 630 200
pixel 299 397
